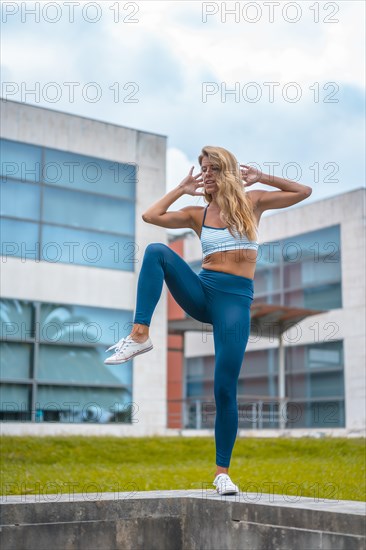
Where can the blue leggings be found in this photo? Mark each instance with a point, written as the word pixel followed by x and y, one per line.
pixel 214 297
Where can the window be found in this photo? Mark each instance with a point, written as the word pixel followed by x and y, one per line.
pixel 314 381
pixel 52 363
pixel 20 200
pixel 89 174
pixel 20 161
pixel 301 271
pixel 16 361
pixel 315 384
pixel 63 207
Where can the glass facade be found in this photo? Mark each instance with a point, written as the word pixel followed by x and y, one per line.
pixel 65 207
pixel 314 388
pixel 52 363
pixel 300 271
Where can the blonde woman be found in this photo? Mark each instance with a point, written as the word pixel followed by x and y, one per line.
pixel 222 292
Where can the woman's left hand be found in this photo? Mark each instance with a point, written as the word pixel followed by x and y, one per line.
pixel 249 174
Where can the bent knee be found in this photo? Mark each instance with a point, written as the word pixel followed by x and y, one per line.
pixel 155 248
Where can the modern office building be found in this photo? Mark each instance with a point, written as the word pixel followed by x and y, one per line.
pixel 311 256
pixel 72 194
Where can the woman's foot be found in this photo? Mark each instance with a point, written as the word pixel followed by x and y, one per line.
pixel 224 485
pixel 221 470
pixel 127 348
pixel 140 338
pixel 139 333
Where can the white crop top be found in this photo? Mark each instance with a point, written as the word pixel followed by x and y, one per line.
pixel 219 239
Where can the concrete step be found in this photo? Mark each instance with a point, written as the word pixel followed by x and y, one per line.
pixel 180 520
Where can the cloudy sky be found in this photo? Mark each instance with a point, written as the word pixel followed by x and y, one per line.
pixel 280 84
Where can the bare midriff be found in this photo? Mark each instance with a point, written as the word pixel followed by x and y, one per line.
pixel 237 262
pixel 240 262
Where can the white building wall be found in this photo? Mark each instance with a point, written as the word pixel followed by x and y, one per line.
pixel 89 286
pixel 346 323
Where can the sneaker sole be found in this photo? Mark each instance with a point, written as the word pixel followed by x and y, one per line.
pixel 120 361
pixel 228 491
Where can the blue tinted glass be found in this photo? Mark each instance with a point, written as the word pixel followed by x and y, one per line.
pixel 20 160
pixel 269 255
pixel 83 325
pixel 194 389
pixel 19 239
pixel 261 363
pixel 271 299
pixel 322 243
pixel 309 273
pixel 328 414
pixel 83 404
pixel 14 397
pixel 329 355
pixel 16 319
pixel 15 360
pixel 267 280
pixel 254 386
pixel 323 297
pixel 21 200
pixel 311 258
pixel 321 271
pixel 60 244
pixel 88 211
pixel 327 384
pixel 317 414
pixel 194 368
pixel 89 174
pixel 77 364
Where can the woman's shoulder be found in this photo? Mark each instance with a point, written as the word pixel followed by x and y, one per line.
pixel 253 196
pixel 195 210
pixel 196 213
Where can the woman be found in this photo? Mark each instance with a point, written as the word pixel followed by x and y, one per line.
pixel 222 292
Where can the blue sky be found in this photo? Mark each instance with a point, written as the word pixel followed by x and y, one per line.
pixel 169 53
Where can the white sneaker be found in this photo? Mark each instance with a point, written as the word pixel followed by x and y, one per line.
pixel 126 349
pixel 224 485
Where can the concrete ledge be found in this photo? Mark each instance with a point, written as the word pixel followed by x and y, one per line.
pixel 183 520
pixel 136 430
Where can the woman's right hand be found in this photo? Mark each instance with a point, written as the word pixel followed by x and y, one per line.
pixel 190 183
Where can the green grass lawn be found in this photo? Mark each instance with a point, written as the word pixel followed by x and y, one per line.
pixel 319 468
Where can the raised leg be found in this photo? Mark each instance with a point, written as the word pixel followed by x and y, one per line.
pixel 161 263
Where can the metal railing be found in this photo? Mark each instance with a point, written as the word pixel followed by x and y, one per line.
pixel 255 413
pixel 260 413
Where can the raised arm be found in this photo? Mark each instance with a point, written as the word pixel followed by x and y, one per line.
pixel 290 192
pixel 157 213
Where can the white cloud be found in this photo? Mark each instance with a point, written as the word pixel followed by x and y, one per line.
pixel 170 52
pixel 178 166
pixel 242 51
pixel 279 51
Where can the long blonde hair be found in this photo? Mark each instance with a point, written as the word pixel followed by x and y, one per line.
pixel 236 209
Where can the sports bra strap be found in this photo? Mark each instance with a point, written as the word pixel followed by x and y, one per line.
pixel 204 215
